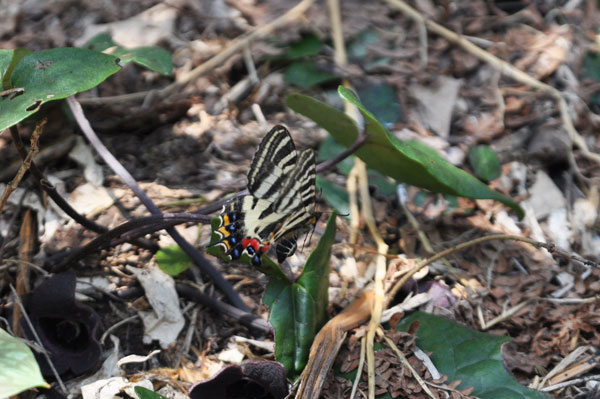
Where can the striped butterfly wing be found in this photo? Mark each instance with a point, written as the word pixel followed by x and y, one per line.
pixel 281 204
pixel 275 158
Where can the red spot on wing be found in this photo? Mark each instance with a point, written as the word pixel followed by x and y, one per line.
pixel 247 241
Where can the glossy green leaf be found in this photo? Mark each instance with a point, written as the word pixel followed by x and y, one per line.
pixel 306 74
pixel 8 60
pixel 172 260
pixel 307 46
pixel 382 101
pixel 153 58
pixel 298 310
pixel 53 75
pixel 267 267
pixel 406 161
pixel 485 162
pixel 145 393
pixel 19 370
pixel 469 356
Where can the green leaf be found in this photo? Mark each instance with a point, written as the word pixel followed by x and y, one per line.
pixel 145 393
pixel 308 46
pixel 406 161
pixel 306 74
pixel 19 370
pixel 591 66
pixel 469 356
pixel 8 60
pixel 298 311
pixel 485 162
pixel 329 149
pixel 53 75
pixel 359 45
pixel 100 42
pixel 382 100
pixel 335 196
pixel 154 58
pixel 172 260
pixel 5 58
pixel 267 267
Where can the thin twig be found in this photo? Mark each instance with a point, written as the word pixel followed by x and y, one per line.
pixel 361 365
pixel 550 247
pixel 155 222
pixel 406 363
pixel 128 179
pixel 12 186
pixel 506 69
pixel 235 47
pixel 60 201
pixel 565 384
pixel 330 163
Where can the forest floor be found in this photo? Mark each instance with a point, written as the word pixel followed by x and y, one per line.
pixel 517 88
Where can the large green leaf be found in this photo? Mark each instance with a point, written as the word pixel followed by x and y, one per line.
pixel 467 355
pixel 407 161
pixel 298 310
pixel 18 369
pixel 53 75
pixel 153 58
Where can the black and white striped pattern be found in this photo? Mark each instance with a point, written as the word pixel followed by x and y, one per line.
pixel 281 204
pixel 282 185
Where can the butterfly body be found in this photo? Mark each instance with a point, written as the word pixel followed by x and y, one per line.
pixel 281 204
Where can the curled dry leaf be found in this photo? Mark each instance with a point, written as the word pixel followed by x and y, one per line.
pixel 67 329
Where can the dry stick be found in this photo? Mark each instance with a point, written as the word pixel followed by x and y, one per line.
pixel 363 189
pixel 382 248
pixel 60 201
pixel 361 364
pixel 504 68
pixel 26 246
pixel 423 237
pixel 12 186
pixel 550 247
pixel 235 47
pixel 406 363
pixel 142 226
pixel 352 188
pixel 128 179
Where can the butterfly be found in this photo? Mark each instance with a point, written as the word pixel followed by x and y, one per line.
pixel 281 204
